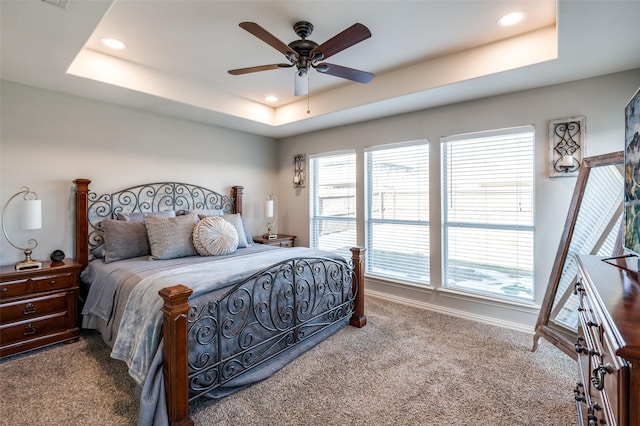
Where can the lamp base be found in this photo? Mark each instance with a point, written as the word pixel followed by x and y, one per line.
pixel 28 264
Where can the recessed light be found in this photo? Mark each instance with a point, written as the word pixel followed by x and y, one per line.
pixel 510 19
pixel 113 43
pixel 271 98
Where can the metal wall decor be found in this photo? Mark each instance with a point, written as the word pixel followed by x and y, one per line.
pixel 566 146
pixel 298 170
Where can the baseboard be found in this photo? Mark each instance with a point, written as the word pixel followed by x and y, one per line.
pixel 453 312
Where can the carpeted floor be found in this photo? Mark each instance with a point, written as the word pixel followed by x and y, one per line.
pixel 406 367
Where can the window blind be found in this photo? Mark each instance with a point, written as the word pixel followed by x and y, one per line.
pixel 333 202
pixel 487 211
pixel 397 211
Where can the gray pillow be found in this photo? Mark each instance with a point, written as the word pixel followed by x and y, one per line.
pixel 213 236
pixel 124 239
pixel 204 212
pixel 170 238
pixel 236 221
pixel 139 216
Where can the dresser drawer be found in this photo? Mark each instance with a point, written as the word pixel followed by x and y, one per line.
pixel 31 329
pixel 33 308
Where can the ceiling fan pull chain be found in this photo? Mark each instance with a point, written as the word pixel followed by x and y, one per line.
pixel 308 91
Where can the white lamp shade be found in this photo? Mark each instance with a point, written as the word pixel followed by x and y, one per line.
pixel 268 208
pixel 32 214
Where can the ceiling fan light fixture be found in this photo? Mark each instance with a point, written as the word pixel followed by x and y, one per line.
pixel 113 43
pixel 510 19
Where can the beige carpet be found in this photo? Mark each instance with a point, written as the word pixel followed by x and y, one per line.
pixel 406 367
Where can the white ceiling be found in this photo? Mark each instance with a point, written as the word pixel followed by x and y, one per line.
pixel 423 53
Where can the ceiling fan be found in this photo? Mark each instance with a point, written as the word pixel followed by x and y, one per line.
pixel 305 54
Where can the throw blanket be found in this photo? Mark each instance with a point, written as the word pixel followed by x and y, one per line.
pixel 140 330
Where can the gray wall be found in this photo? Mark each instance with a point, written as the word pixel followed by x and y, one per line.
pixel 48 139
pixel 601 100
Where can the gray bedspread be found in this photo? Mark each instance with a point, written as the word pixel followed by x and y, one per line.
pixel 124 305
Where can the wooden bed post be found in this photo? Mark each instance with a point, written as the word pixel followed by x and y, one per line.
pixel 358 319
pixel 82 222
pixel 175 366
pixel 236 193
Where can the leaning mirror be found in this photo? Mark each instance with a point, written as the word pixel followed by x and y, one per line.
pixel 592 227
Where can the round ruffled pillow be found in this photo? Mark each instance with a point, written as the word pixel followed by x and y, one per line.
pixel 214 236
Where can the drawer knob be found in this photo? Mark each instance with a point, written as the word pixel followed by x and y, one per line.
pixel 5 289
pixel 29 330
pixel 29 309
pixel 598 373
pixel 52 282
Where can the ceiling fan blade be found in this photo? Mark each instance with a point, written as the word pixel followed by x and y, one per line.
pixel 347 38
pixel 345 72
pixel 248 70
pixel 269 38
pixel 301 85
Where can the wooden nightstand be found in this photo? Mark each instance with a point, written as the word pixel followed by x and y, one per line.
pixel 281 241
pixel 38 307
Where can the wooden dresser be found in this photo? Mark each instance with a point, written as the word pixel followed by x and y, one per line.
pixel 608 345
pixel 38 307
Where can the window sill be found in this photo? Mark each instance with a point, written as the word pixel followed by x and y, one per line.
pixel 495 300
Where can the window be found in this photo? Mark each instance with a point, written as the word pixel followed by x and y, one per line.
pixel 487 212
pixel 397 205
pixel 333 202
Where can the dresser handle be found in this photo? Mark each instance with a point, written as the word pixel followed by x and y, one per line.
pixel 52 282
pixel 5 289
pixel 29 309
pixel 593 420
pixel 577 287
pixel 592 324
pixel 579 347
pixel 597 379
pixel 579 396
pixel 29 330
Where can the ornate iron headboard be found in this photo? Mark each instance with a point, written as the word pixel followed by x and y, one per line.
pixel 153 197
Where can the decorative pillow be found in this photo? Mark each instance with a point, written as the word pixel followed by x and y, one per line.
pixel 204 212
pixel 139 216
pixel 124 239
pixel 236 220
pixel 247 233
pixel 244 236
pixel 170 238
pixel 213 236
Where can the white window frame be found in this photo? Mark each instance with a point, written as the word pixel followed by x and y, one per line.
pixel 316 219
pixel 448 226
pixel 413 249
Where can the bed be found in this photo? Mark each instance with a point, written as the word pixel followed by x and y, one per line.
pixel 194 325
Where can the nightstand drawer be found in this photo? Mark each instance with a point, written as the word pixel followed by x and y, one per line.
pixel 33 308
pixel 37 327
pixel 52 282
pixel 13 288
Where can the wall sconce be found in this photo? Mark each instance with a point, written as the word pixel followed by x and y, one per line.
pixel 566 146
pixel 298 170
pixel 272 216
pixel 31 215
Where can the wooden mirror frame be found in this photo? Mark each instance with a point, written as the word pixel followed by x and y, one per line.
pixel 543 329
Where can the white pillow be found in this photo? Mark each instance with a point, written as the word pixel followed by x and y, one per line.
pixel 213 236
